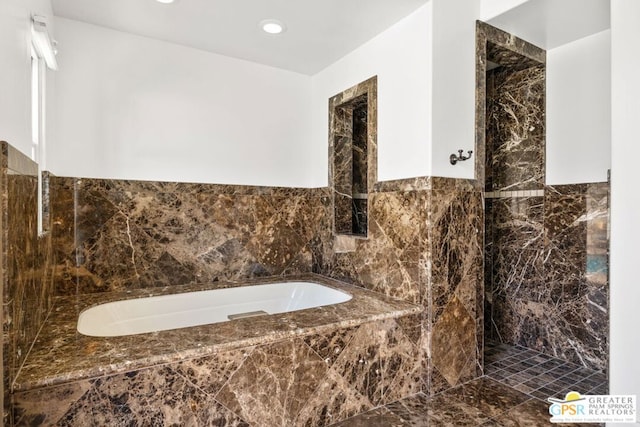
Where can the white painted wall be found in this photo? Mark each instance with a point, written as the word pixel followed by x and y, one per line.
pixel 492 8
pixel 401 58
pixel 625 198
pixel 131 107
pixel 579 111
pixel 453 103
pixel 15 60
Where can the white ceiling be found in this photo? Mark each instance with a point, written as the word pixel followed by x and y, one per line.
pixel 319 32
pixel 552 23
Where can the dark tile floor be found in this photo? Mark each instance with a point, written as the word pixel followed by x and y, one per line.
pixel 512 393
pixel 539 375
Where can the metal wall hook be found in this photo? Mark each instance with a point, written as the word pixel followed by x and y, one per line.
pixel 459 157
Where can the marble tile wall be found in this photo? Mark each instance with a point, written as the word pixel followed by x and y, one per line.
pixel 499 50
pixel 515 128
pixel 26 263
pixel 112 235
pixel 388 260
pixel 545 247
pixel 454 291
pixel 425 246
pixel 552 295
pixel 314 380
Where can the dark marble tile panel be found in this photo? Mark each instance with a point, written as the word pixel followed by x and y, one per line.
pixel 388 260
pixel 155 396
pixel 380 417
pixel 330 345
pixel 456 287
pixel 564 313
pixel 114 188
pixel 504 40
pixel 274 383
pixel 491 397
pixel 436 381
pixel 533 412
pixel 380 363
pixel 437 411
pixel 499 47
pixel 26 264
pixel 412 327
pixel 455 238
pixel 515 137
pixel 133 234
pixel 28 408
pixel 334 400
pixel 211 373
pixel 453 344
pixel 455 184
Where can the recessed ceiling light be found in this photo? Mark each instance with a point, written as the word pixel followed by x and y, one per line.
pixel 272 26
pixel 165 1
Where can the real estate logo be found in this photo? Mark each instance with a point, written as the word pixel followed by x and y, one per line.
pixel 577 408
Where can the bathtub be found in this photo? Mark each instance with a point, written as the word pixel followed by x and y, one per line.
pixel 194 374
pixel 167 312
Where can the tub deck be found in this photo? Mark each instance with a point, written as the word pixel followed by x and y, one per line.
pixel 61 354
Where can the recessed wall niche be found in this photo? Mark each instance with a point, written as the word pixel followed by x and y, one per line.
pixel 353 155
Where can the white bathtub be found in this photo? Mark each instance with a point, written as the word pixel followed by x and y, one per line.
pixel 165 312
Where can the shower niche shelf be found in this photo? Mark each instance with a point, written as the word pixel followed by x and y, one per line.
pixel 352 156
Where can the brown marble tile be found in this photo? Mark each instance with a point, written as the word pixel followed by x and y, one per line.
pixel 455 184
pixel 211 373
pixel 437 411
pixel 29 408
pixel 334 400
pixel 453 343
pixel 402 364
pixel 491 397
pixel 502 48
pixel 370 357
pixel 366 88
pixel 412 327
pixel 515 248
pixel 380 417
pixel 26 267
pixel 388 260
pixel 516 225
pixel 576 264
pixel 274 383
pixel 515 149
pixel 133 234
pixel 510 148
pixel 455 235
pixel 456 286
pixel 567 317
pixel 436 381
pixel 330 345
pixel 155 396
